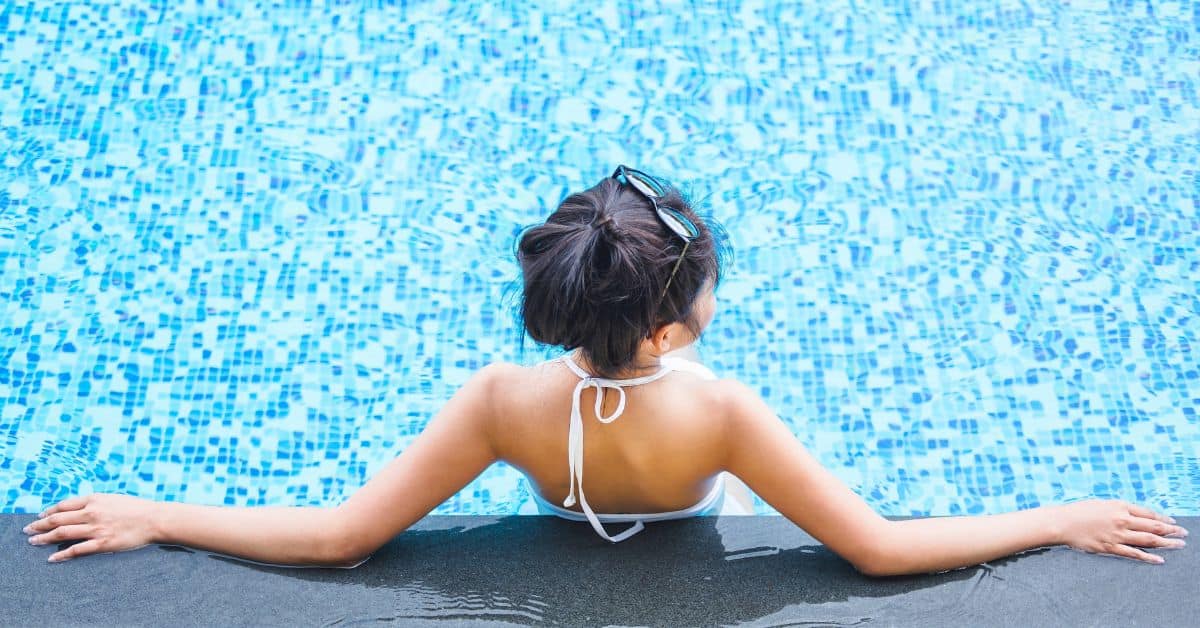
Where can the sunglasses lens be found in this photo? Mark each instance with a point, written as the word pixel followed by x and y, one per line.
pixel 678 223
pixel 645 184
pixel 653 189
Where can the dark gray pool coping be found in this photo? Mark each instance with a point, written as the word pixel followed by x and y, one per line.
pixel 540 570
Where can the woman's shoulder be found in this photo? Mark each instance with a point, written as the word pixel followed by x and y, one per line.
pixel 726 397
pixel 496 374
pixel 501 369
pixel 717 389
pixel 731 395
pixel 504 379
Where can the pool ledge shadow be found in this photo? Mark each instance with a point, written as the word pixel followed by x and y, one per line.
pixel 541 570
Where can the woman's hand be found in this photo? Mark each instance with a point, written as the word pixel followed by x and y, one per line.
pixel 105 523
pixel 1119 528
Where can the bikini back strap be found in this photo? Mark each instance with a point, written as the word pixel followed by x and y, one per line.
pixel 575 434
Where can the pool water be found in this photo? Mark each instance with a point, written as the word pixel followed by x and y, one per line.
pixel 247 252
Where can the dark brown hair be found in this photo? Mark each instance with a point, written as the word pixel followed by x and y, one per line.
pixel 593 273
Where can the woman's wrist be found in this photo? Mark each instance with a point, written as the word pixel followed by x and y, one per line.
pixel 1054 524
pixel 159 522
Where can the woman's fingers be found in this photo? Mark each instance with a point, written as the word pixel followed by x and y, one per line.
pixel 1140 511
pixel 79 549
pixel 1134 553
pixel 56 520
pixel 1149 539
pixel 1156 526
pixel 63 533
pixel 72 503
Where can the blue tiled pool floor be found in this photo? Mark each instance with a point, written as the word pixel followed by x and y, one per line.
pixel 246 253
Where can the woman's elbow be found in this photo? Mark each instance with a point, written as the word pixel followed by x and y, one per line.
pixel 877 557
pixel 874 568
pixel 344 553
pixel 881 561
pixel 343 548
pixel 351 561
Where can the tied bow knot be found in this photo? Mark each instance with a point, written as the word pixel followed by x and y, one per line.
pixel 575 435
pixel 575 438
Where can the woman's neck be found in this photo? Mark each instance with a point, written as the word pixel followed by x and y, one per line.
pixel 641 366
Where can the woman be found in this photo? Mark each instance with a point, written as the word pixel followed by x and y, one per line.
pixel 620 276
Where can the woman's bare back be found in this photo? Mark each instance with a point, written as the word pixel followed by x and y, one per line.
pixel 662 454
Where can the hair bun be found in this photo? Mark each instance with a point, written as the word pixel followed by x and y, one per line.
pixel 603 221
pixel 596 273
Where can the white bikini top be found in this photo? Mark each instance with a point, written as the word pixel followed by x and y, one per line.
pixel 575 446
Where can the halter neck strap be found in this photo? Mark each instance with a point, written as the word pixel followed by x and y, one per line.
pixel 575 433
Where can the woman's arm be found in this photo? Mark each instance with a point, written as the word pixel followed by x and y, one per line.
pixel 765 455
pixel 452 450
pixel 108 523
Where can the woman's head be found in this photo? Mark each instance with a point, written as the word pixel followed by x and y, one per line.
pixel 595 274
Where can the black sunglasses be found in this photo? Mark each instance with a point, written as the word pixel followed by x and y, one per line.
pixel 653 189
